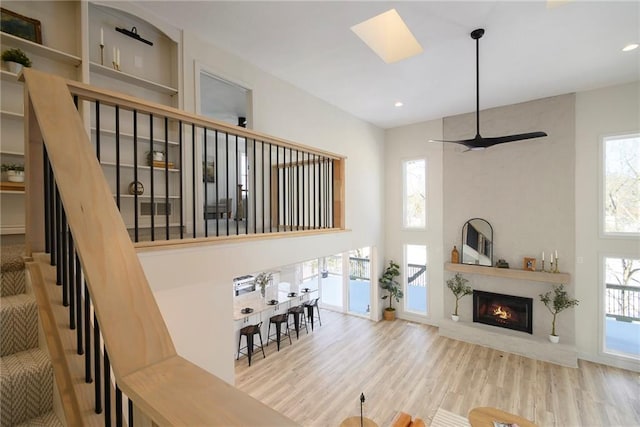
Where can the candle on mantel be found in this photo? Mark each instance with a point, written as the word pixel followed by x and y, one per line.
pixel 115 58
pixel 556 254
pixel 101 37
pixel 543 255
pixel 118 60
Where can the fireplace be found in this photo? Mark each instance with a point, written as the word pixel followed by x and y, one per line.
pixel 505 311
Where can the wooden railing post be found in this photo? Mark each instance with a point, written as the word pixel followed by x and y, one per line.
pixel 339 193
pixel 34 184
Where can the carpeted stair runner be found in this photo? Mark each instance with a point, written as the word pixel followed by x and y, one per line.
pixel 26 374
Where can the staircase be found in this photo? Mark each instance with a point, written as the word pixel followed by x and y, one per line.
pixel 26 374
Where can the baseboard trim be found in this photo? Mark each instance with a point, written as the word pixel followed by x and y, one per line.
pixel 611 360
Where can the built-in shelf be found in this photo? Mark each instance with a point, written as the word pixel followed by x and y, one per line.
pixel 124 165
pixel 130 136
pixel 11 114
pixel 8 187
pixel 11 153
pixel 510 273
pixel 130 78
pixel 8 76
pixel 39 49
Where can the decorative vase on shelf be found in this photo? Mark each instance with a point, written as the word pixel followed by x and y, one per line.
pixel 554 339
pixel 14 67
pixel 455 256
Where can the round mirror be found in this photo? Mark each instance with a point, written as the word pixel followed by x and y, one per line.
pixel 477 242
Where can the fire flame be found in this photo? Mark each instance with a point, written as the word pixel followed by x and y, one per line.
pixel 502 313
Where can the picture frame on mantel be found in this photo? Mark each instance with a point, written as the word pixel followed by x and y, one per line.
pixel 529 264
pixel 20 26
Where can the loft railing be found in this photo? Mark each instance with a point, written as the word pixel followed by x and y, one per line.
pixel 623 302
pixel 359 268
pixel 120 333
pixel 175 175
pixel 417 275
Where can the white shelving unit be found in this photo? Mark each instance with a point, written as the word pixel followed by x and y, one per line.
pixel 130 78
pixel 39 49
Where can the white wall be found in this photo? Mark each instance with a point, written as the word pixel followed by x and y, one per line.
pixel 405 143
pixel 201 277
pixel 602 112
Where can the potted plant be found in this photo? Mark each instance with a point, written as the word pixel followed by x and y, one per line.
pixel 458 286
pixel 389 283
pixel 262 280
pixel 557 300
pixel 15 172
pixel 16 59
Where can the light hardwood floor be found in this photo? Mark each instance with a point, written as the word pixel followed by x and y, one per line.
pixel 402 366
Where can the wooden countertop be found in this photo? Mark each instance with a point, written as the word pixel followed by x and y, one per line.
pixel 255 301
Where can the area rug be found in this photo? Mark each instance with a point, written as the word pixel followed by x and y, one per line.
pixel 444 418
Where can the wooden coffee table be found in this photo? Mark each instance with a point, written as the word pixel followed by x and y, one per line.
pixel 485 416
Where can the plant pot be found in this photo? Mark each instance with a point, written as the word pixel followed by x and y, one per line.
pixel 13 67
pixel 455 317
pixel 389 314
pixel 15 176
pixel 554 338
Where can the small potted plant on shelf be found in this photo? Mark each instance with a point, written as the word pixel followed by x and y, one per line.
pixel 262 280
pixel 557 300
pixel 15 172
pixel 389 283
pixel 458 286
pixel 16 59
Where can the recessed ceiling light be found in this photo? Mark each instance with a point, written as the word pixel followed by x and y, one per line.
pixel 630 47
pixel 398 104
pixel 388 36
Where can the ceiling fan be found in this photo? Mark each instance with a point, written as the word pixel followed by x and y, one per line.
pixel 479 142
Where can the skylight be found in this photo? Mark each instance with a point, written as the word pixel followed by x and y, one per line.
pixel 388 36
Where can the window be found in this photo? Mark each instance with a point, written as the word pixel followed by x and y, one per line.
pixel 360 281
pixel 621 187
pixel 416 279
pixel 622 306
pixel 415 193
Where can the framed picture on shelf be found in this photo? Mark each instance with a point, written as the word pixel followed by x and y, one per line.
pixel 20 26
pixel 209 171
pixel 529 264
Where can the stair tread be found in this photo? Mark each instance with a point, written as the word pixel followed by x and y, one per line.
pixel 32 359
pixel 18 323
pixel 11 258
pixel 14 300
pixel 45 420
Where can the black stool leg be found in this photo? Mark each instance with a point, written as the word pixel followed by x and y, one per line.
pixel 304 319
pixel 310 315
pixel 278 334
pixel 262 345
pixel 249 346
pixel 289 333
pixel 268 333
pixel 296 321
pixel 239 342
pixel 319 319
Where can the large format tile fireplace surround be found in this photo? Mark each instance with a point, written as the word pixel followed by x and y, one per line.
pixel 508 316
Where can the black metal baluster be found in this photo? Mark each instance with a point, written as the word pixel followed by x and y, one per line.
pixel 308 188
pixel 180 130
pixel 206 188
pixel 79 305
pixel 118 406
pixel 277 215
pixel 58 238
pixel 270 190
pixel 97 104
pixel 297 190
pixel 290 193
pixel 87 335
pixel 130 405
pixel 151 176
pixel 97 387
pixel 64 261
pixel 193 177
pixel 226 135
pixel 47 196
pixel 118 156
pixel 238 193
pixel 107 389
pixel 254 191
pixel 136 223
pixel 332 195
pixel 71 260
pixel 53 217
pixel 216 166
pixel 264 191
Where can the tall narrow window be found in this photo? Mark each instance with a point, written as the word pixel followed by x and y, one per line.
pixel 621 198
pixel 415 193
pixel 416 279
pixel 622 306
pixel 359 281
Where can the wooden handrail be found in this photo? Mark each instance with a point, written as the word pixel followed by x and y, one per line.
pixel 109 97
pixel 170 390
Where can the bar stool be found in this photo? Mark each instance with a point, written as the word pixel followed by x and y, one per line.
pixel 278 320
pixel 249 332
pixel 297 311
pixel 310 305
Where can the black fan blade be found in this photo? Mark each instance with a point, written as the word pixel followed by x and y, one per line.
pixel 488 142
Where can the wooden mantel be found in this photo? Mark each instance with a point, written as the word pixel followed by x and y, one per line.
pixel 510 273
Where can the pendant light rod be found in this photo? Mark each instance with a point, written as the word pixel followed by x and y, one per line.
pixel 476 34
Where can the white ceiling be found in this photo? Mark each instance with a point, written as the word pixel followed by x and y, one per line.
pixel 529 51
